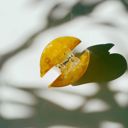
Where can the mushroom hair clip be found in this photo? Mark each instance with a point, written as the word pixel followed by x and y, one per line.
pixel 94 64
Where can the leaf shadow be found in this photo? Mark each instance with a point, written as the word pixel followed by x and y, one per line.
pixel 49 114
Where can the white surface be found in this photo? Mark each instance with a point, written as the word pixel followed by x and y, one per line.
pixel 18 21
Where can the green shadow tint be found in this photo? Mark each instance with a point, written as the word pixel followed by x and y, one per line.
pixel 103 66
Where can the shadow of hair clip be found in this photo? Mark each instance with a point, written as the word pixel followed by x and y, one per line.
pixel 103 65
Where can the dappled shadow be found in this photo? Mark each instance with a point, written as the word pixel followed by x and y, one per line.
pixel 48 113
pixel 79 9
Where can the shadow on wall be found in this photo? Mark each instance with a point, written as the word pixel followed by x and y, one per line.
pixel 49 114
